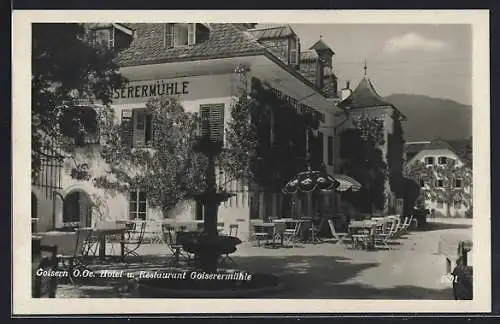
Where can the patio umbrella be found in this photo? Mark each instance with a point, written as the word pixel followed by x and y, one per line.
pixel 309 181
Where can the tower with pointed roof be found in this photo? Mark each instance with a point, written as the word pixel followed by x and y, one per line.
pixel 365 102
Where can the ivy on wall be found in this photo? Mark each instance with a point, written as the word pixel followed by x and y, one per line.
pixel 273 135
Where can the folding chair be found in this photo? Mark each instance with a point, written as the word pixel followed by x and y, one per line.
pixel 70 257
pixel 384 239
pixel 259 234
pixel 338 236
pixel 291 235
pixel 135 239
pixel 174 245
pixel 315 231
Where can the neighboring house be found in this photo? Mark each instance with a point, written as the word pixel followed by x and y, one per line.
pixel 437 153
pixel 365 102
pixel 200 64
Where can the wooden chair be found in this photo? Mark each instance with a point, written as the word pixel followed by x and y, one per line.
pixel 175 246
pixel 316 230
pixel 385 238
pixel 134 239
pixel 71 257
pixel 291 235
pixel 259 235
pixel 338 236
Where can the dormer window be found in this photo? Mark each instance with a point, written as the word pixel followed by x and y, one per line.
pixel 111 36
pixel 185 34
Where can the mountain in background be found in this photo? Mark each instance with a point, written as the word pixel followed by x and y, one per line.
pixel 431 118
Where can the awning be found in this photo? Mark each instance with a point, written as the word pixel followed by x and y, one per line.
pixel 346 183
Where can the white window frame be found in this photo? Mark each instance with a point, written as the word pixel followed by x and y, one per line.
pixel 139 135
pixel 190 34
pixel 134 215
pixel 439 160
pixel 461 184
pixel 427 158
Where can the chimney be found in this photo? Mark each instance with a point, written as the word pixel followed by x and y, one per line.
pixel 346 92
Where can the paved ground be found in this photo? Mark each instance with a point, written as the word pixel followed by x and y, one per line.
pixel 412 270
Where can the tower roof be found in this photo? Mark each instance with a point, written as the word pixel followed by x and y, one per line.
pixel 321 46
pixel 364 96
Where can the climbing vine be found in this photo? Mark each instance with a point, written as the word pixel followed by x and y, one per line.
pixel 269 134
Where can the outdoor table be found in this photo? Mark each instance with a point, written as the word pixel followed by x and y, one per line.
pixel 365 225
pixel 65 241
pixel 110 228
pixel 274 228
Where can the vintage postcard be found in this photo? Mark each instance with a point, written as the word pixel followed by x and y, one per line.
pixel 251 162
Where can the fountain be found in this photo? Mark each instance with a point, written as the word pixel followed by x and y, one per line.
pixel 206 279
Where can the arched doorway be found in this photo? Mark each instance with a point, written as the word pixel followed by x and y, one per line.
pixel 77 208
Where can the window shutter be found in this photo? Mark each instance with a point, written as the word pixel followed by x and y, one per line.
pixel 127 127
pixel 169 35
pixel 205 120
pixel 217 123
pixel 191 34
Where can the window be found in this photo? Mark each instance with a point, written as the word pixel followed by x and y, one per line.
pixel 458 183
pixel 442 160
pixel 212 122
pixel 102 37
pixel 330 150
pixel 177 35
pixel 136 127
pixel 429 160
pixel 457 204
pixel 422 183
pixel 199 211
pixel 138 205
pixel 439 204
pixel 440 183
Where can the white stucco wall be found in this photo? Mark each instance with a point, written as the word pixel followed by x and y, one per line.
pixel 436 153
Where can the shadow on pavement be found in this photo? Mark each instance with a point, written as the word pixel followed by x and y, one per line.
pixel 435 226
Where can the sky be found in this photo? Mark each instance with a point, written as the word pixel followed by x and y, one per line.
pixel 428 59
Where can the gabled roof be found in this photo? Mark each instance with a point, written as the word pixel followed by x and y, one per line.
pixel 439 144
pixel 225 40
pixel 414 147
pixel 364 96
pixel 321 46
pixel 272 32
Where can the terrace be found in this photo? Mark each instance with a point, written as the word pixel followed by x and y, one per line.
pixel 412 268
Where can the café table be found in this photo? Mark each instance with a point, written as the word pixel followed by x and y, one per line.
pixel 273 228
pixel 368 228
pixel 104 229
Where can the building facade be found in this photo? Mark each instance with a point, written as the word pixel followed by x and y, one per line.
pixel 435 154
pixel 204 66
pixel 365 104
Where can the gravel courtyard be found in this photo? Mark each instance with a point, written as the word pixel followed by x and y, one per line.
pixel 411 270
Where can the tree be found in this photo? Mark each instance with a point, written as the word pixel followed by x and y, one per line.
pixel 168 170
pixel 449 183
pixel 65 71
pixel 362 159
